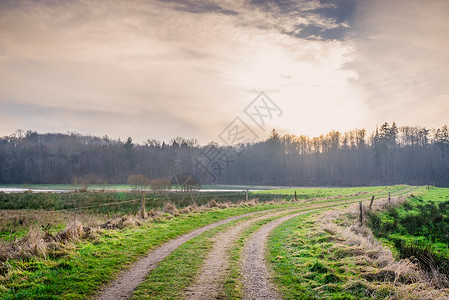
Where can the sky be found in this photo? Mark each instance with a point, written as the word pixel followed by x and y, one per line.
pixel 161 69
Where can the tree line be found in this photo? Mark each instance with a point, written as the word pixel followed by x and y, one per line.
pixel 389 155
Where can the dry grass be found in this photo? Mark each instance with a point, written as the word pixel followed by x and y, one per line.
pixel 377 265
pixel 221 205
pixel 170 209
pixel 255 202
pixel 40 242
pixel 122 222
pixel 334 197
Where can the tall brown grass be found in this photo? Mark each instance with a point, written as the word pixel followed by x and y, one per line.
pixel 379 268
pixel 41 242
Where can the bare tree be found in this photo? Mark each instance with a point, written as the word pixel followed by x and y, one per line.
pixel 159 185
pixel 84 182
pixel 138 182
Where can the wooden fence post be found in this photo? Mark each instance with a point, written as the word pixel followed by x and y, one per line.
pixel 361 212
pixel 142 206
pixel 371 203
pixel 389 197
pixel 246 196
pixel 296 197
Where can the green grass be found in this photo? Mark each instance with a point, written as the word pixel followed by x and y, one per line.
pixel 72 200
pixel 308 193
pixel 89 201
pixel 92 264
pixel 237 187
pixel 329 195
pixel 418 228
pixel 175 273
pixel 305 268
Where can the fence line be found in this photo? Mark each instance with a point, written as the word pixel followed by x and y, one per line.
pixel 399 192
pixel 102 205
pixel 74 208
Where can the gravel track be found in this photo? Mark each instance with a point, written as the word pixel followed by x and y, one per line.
pixel 127 282
pixel 209 281
pixel 256 277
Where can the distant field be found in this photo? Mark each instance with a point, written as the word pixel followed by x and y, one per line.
pixel 125 201
pixel 20 211
pixel 307 193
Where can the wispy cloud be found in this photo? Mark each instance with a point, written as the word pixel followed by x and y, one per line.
pixel 166 68
pixel 189 63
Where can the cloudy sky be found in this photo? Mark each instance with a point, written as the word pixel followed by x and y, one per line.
pixel 161 69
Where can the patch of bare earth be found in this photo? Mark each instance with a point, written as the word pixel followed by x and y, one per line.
pixel 209 281
pixel 127 282
pixel 256 277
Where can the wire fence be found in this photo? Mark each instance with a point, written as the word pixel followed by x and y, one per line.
pixel 102 205
pixel 106 203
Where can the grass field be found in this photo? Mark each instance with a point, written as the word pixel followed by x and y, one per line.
pixel 80 267
pixel 53 210
pixel 308 193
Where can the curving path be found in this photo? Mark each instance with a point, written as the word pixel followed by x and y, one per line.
pixel 256 276
pixel 127 282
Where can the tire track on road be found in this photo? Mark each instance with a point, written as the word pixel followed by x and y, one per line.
pixel 126 283
pixel 209 281
pixel 257 282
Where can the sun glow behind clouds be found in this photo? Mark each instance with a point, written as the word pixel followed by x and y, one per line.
pixel 306 78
